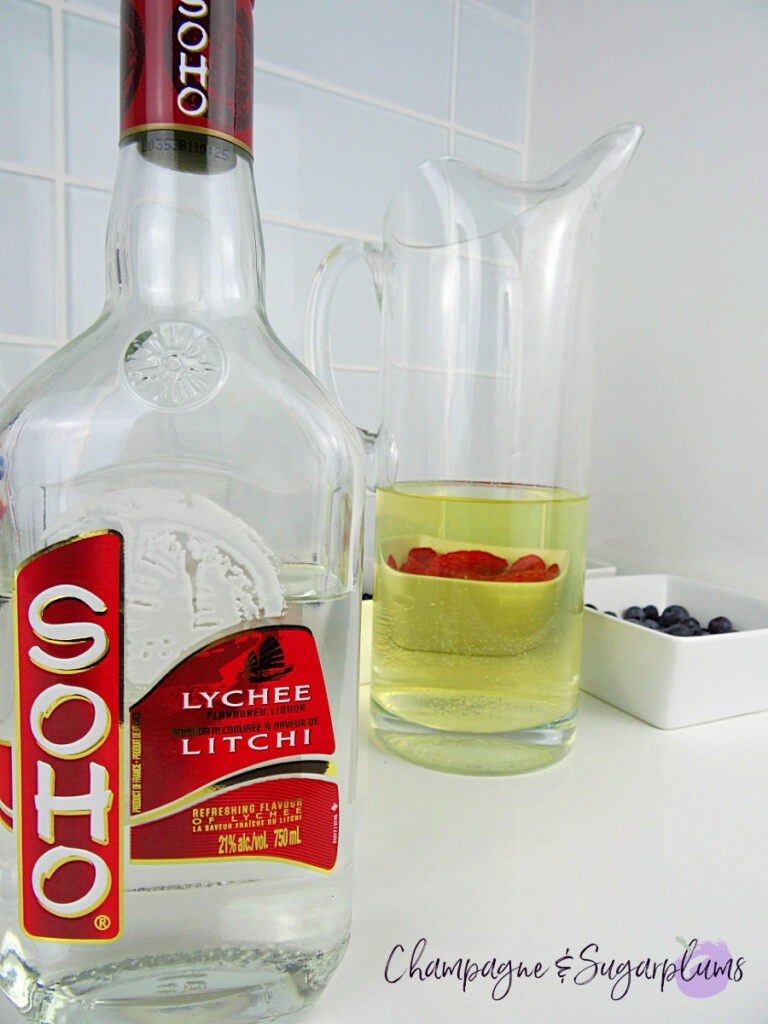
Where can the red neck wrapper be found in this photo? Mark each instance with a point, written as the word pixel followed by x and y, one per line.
pixel 188 64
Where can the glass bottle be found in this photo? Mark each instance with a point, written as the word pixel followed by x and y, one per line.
pixel 180 519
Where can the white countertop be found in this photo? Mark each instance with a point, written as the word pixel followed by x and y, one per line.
pixel 638 837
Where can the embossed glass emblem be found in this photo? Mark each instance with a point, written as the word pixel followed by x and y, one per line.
pixel 174 365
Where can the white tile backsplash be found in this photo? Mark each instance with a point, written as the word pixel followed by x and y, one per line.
pixel 519 9
pixel 87 212
pixel 501 160
pixel 360 393
pixel 355 320
pixel 293 256
pixel 91 58
pixel 397 52
pixel 491 85
pixel 27 256
pixel 16 361
pixel 26 84
pixel 110 7
pixel 327 159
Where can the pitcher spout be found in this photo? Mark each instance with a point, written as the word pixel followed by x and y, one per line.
pixel 600 165
pixel 445 201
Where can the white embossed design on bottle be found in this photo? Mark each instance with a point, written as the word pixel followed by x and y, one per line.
pixel 174 365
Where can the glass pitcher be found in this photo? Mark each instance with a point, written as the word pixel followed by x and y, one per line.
pixel 480 464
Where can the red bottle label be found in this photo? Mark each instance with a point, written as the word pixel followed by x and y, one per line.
pixel 188 64
pixel 6 784
pixel 231 755
pixel 68 769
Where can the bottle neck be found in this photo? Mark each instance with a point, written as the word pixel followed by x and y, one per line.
pixel 184 229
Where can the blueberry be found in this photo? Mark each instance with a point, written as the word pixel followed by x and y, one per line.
pixel 680 629
pixel 720 624
pixel 675 620
pixel 634 614
pixel 694 625
pixel 673 613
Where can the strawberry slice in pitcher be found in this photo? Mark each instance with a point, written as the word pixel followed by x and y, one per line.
pixel 532 575
pixel 528 562
pixel 475 565
pixel 419 561
pixel 468 565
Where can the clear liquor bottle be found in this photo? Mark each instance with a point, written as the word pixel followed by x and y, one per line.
pixel 180 520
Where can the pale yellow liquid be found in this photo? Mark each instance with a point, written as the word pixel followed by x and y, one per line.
pixel 471 676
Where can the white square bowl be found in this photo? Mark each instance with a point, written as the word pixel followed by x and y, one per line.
pixel 595 568
pixel 671 681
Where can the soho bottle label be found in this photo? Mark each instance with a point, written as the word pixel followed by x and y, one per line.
pixel 188 64
pixel 231 755
pixel 69 762
pixel 227 757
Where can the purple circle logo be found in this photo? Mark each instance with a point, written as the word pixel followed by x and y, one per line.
pixel 704 968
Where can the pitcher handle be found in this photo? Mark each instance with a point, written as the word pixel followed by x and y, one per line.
pixel 380 452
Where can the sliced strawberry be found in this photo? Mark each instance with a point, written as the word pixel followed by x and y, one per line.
pixel 475 565
pixel 527 562
pixel 418 561
pixel 468 565
pixel 530 575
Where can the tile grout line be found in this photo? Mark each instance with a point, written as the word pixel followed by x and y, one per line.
pixel 490 8
pixel 91 14
pixel 61 271
pixel 285 221
pixel 355 368
pixel 28 340
pixel 526 147
pixel 73 7
pixel 455 29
